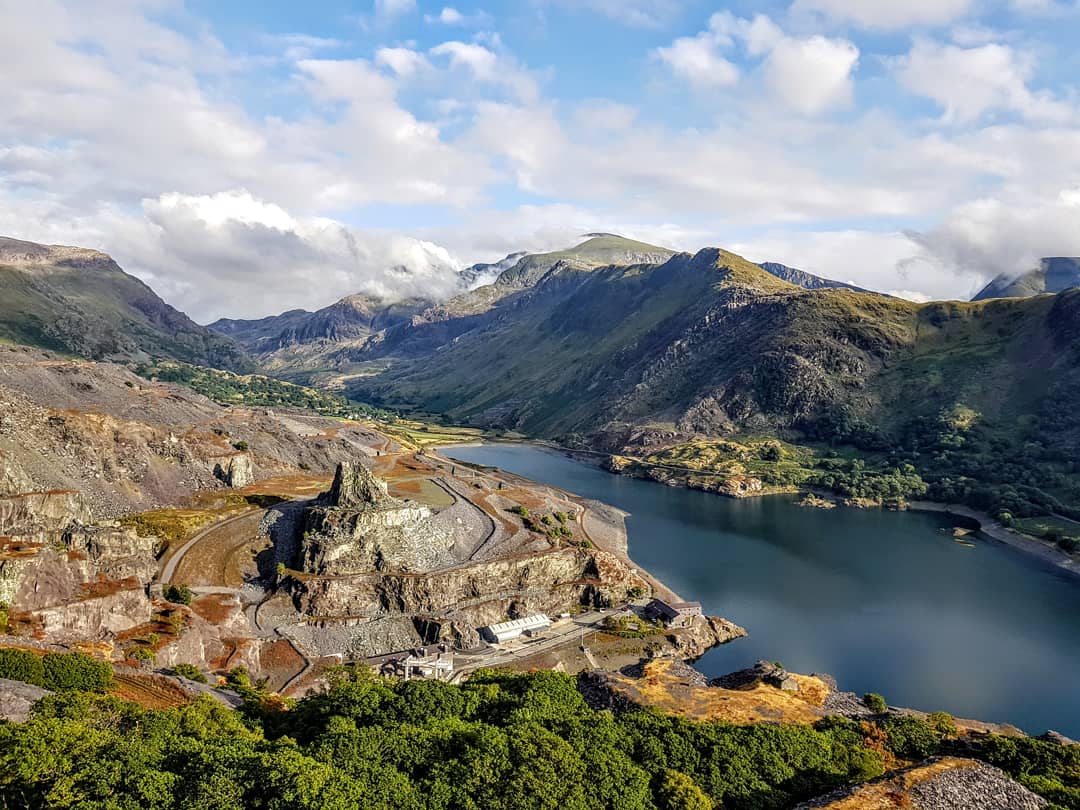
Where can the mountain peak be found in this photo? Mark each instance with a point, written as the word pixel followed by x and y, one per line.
pixel 17 252
pixel 1053 275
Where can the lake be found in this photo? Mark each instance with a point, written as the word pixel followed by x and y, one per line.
pixel 883 601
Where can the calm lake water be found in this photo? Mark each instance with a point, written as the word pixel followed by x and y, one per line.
pixel 883 601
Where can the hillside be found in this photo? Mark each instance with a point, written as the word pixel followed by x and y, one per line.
pixel 79 302
pixel 976 395
pixel 803 279
pixel 1053 275
pixel 352 318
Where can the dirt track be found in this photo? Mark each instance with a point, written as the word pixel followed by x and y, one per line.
pixel 222 556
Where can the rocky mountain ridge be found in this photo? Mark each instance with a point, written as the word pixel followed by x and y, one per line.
pixel 80 302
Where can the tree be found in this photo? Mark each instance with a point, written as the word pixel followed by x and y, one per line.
pixel 677 791
pixel 875 703
pixel 178 594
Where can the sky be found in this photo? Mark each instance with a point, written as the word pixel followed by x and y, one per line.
pixel 254 156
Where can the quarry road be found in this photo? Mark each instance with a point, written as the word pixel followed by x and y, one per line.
pixel 169 571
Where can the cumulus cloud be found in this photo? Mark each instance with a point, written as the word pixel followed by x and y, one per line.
pixel 489 66
pixel 887 13
pixel 231 254
pixel 969 82
pixel 698 60
pixel 809 75
pixel 405 62
pixel 989 237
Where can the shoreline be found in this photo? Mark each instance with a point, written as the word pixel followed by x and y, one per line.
pixel 988 527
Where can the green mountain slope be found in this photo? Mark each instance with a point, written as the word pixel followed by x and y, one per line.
pixel 79 301
pixel 711 345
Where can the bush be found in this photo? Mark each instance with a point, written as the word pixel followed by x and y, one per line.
pixel 240 445
pixel 910 737
pixel 943 723
pixel 875 703
pixel 1068 544
pixel 178 594
pixel 67 671
pixel 189 671
pixel 21 665
pixel 142 654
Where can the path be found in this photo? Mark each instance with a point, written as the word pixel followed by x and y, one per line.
pixel 169 570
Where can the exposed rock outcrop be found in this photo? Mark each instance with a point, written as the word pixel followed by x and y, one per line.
pixel 16 699
pixel 236 471
pixel 944 783
pixel 65 578
pixel 358 528
pixel 704 633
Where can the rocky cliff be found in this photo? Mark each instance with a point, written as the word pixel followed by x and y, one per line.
pixel 357 528
pixel 64 577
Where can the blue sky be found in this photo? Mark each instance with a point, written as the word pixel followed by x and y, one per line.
pixel 249 157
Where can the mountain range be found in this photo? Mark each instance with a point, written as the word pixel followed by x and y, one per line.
pixel 80 302
pixel 620 345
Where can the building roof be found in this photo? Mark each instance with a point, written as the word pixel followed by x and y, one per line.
pixel 527 623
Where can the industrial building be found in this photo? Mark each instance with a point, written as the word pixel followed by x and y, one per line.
pixel 505 631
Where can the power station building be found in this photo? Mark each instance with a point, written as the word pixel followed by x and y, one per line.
pixel 506 631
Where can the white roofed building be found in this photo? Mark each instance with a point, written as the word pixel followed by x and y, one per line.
pixel 506 631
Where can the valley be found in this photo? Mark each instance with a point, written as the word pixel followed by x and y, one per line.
pixel 348 497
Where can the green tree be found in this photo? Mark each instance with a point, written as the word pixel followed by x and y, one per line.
pixel 677 791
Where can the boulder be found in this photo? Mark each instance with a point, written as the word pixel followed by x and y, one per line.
pixel 237 471
pixel 16 699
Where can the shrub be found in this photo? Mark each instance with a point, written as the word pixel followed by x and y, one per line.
pixel 636 592
pixel 520 511
pixel 943 723
pixel 142 654
pixel 875 703
pixel 178 594
pixel 1069 544
pixel 21 665
pixel 189 671
pixel 65 671
pixel 240 445
pixel 910 737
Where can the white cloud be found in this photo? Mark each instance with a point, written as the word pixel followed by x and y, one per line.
pixel 451 16
pixel 405 62
pixel 888 13
pixel 808 75
pixel 812 75
pixel 969 82
pixel 386 10
pixel 698 60
pixel 989 236
pixel 230 254
pixel 490 67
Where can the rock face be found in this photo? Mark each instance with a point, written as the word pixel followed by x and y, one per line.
pixel 762 672
pixel 64 577
pixel 945 783
pixel 357 528
pixel 384 570
pixel 237 471
pixel 16 698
